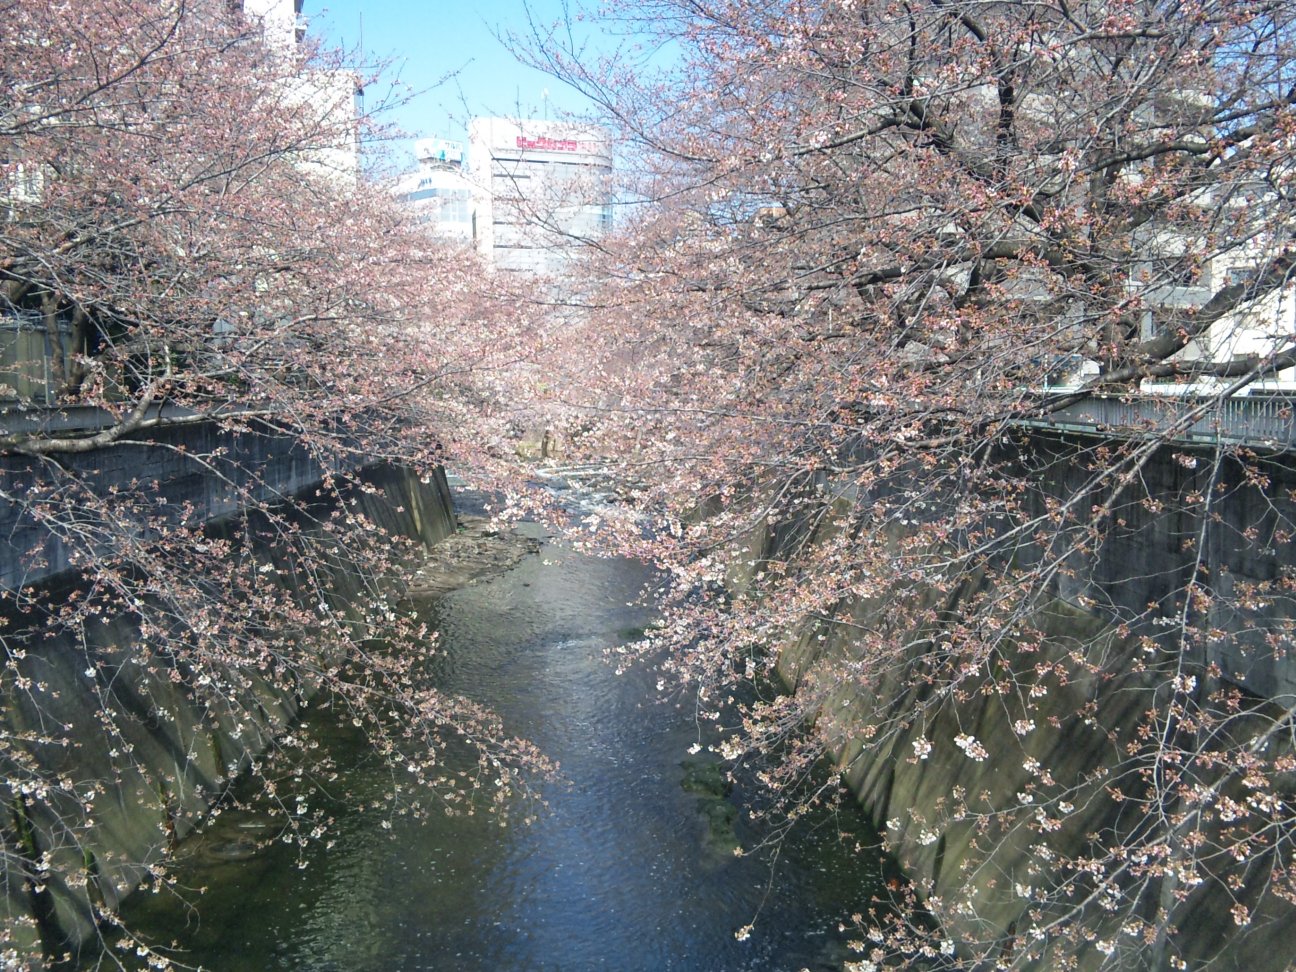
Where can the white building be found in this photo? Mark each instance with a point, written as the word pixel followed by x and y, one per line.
pixel 324 103
pixel 439 192
pixel 541 190
pixel 330 95
pixel 1255 331
pixel 278 19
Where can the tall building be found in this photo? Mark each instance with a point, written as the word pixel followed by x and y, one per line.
pixel 331 94
pixel 278 19
pixel 439 192
pixel 541 190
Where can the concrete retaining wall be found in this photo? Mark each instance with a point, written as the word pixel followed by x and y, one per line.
pixel 1188 511
pixel 158 750
pixel 940 814
pixel 185 474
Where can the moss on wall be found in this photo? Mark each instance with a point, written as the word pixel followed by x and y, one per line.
pixel 164 749
pixel 960 827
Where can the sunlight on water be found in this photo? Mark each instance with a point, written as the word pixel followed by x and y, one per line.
pixel 620 872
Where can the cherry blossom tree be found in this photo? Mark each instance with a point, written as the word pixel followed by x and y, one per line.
pixel 876 258
pixel 186 243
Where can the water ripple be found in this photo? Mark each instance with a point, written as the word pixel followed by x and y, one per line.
pixel 616 874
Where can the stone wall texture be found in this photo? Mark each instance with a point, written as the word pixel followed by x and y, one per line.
pixel 192 473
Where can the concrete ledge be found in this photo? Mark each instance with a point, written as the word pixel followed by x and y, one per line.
pixel 182 475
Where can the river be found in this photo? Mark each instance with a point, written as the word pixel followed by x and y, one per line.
pixel 625 869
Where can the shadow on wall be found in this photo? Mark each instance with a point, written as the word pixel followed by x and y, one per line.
pixel 157 746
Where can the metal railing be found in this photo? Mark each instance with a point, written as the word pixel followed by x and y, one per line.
pixel 1260 421
pixel 27 356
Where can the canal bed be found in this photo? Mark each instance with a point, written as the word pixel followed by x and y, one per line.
pixel 625 868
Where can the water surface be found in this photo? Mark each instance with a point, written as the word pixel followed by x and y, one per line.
pixel 621 871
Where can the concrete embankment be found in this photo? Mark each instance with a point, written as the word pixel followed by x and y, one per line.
pixel 997 843
pixel 95 713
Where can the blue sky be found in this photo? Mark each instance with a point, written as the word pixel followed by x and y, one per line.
pixel 430 41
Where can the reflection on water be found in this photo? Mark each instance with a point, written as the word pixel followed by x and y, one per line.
pixel 618 873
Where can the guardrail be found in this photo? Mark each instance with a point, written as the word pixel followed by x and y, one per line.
pixel 1260 421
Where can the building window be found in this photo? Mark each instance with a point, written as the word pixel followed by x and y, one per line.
pixel 1240 275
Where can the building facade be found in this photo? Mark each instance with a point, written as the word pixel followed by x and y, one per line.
pixel 1256 330
pixel 439 192
pixel 541 191
pixel 279 20
pixel 331 94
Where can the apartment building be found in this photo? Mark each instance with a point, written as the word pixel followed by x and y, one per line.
pixel 279 19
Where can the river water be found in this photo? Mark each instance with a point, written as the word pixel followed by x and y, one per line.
pixel 626 869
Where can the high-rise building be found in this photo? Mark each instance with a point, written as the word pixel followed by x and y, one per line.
pixel 541 190
pixel 278 19
pixel 439 192
pixel 331 94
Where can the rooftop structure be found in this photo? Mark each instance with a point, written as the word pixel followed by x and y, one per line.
pixel 439 191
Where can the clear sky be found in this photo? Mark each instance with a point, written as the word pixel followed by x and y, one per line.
pixel 448 57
